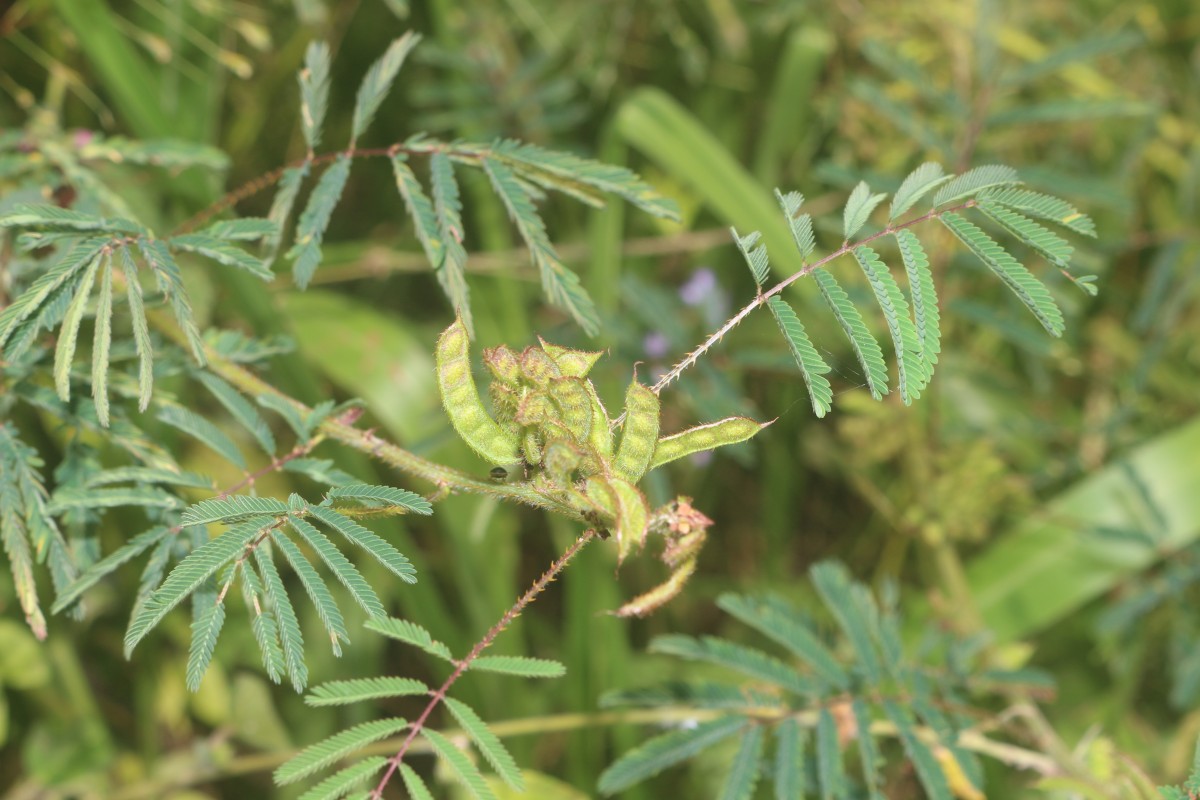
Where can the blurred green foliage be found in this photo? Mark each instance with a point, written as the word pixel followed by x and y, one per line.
pixel 1042 494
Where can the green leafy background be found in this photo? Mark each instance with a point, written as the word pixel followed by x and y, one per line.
pixel 1042 490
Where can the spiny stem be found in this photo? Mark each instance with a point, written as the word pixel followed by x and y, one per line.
pixel 762 298
pixel 530 595
pixel 367 441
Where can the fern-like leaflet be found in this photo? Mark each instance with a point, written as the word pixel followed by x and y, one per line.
pixel 915 335
pixel 834 695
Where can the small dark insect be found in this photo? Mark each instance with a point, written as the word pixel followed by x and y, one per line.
pixel 499 474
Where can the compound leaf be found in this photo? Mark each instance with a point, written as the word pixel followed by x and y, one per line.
pixel 310 230
pixel 858 209
pixel 378 81
pixel 920 182
pixel 234 508
pixel 382 496
pixel 289 627
pixel 197 567
pixel 410 633
pixel 327 752
pixel 341 782
pixel 561 285
pixel 747 766
pixel 459 764
pixel 740 658
pixel 667 750
pixel 910 366
pixel 318 592
pixel 356 690
pixel 340 566
pixel 383 551
pixel 314 92
pixel 521 666
pixel 812 366
pixel 206 629
pixel 488 743
pixel 866 348
pixel 1032 292
pixel 974 181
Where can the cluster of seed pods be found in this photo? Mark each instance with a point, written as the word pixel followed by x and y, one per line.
pixel 550 422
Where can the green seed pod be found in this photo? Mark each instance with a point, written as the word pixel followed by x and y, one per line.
pixel 531 446
pixel 533 409
pixel 504 364
pixel 574 405
pixel 463 404
pixel 626 506
pixel 704 437
pixel 560 459
pixel 537 367
pixel 573 363
pixel 504 401
pixel 600 437
pixel 640 434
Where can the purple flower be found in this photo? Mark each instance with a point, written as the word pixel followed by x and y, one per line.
pixel 702 283
pixel 656 344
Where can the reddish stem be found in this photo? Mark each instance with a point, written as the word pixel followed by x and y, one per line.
pixel 538 586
